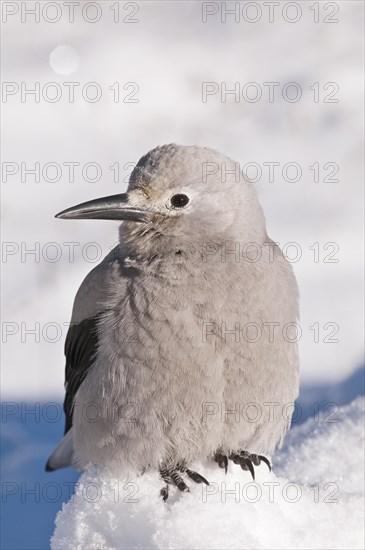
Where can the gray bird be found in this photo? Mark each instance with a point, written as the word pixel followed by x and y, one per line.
pixel 182 344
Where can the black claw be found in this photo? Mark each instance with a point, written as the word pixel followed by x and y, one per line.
pixel 243 458
pixel 249 466
pixel 173 477
pixel 196 477
pixel 179 482
pixel 267 462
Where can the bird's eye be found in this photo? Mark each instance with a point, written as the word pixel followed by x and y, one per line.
pixel 179 200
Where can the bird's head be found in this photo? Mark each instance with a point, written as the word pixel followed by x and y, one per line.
pixel 184 193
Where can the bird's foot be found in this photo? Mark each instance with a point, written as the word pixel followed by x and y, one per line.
pixel 243 458
pixel 173 476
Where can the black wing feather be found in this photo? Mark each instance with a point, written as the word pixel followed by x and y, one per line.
pixel 80 350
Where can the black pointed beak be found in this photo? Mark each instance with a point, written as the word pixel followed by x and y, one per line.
pixel 114 207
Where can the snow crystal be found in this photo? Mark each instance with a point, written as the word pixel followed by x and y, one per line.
pixel 312 500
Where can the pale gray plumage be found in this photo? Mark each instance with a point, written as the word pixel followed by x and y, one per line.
pixel 159 384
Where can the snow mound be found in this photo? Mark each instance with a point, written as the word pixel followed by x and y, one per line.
pixel 314 500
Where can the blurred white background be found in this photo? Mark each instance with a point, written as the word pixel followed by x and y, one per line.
pixel 160 54
pixel 168 52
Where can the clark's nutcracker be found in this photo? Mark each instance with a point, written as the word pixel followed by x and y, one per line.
pixel 182 344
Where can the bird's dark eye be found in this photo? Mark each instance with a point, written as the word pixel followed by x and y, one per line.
pixel 179 200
